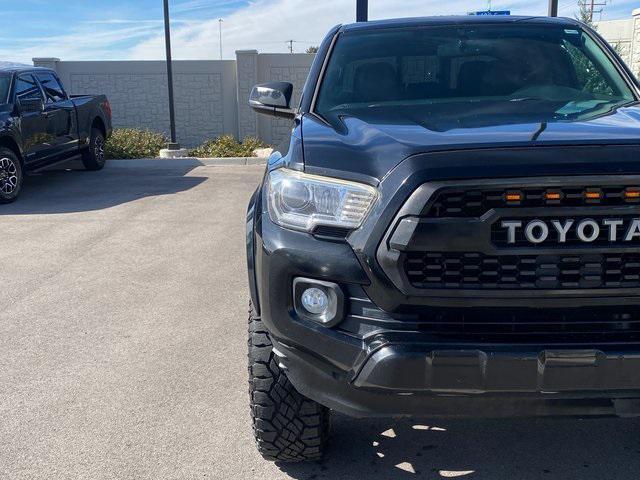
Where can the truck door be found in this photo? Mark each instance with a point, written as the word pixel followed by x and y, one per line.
pixel 36 144
pixel 60 114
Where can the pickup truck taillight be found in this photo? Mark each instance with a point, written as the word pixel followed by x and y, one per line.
pixel 107 108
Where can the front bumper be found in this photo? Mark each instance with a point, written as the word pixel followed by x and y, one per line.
pixel 405 380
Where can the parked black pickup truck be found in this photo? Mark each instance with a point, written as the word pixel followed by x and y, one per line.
pixel 454 229
pixel 41 125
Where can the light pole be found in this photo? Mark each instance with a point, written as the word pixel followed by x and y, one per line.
pixel 172 112
pixel 362 10
pixel 553 8
pixel 220 22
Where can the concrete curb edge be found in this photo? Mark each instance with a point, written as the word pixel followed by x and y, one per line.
pixel 212 162
pixel 209 162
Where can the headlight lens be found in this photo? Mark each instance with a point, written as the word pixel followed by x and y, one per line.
pixel 302 202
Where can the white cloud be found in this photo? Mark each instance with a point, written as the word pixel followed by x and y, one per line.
pixel 86 42
pixel 266 25
pixel 193 5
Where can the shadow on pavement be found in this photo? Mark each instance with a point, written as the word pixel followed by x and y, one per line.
pixel 70 188
pixel 507 449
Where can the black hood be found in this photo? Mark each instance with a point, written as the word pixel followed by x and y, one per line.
pixel 369 146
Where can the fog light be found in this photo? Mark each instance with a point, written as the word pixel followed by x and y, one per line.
pixel 315 301
pixel 318 301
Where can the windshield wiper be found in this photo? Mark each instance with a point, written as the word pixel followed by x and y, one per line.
pixel 540 131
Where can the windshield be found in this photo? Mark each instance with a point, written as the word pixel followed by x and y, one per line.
pixel 5 85
pixel 452 77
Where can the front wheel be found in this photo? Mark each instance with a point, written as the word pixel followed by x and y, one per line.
pixel 93 158
pixel 287 426
pixel 10 176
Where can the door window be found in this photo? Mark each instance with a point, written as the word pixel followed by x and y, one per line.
pixel 591 77
pixel 27 88
pixel 5 85
pixel 52 88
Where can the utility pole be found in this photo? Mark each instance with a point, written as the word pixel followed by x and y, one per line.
pixel 290 42
pixel 220 22
pixel 172 112
pixel 553 8
pixel 362 10
pixel 589 7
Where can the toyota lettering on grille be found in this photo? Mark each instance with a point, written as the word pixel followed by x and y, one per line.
pixel 587 230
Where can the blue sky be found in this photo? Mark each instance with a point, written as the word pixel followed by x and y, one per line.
pixel 132 29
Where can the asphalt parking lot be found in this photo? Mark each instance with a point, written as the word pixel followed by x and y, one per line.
pixel 122 350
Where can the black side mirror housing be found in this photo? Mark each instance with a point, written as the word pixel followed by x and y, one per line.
pixel 273 98
pixel 31 105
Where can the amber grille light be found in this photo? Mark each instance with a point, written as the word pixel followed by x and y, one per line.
pixel 553 196
pixel 593 195
pixel 632 193
pixel 513 197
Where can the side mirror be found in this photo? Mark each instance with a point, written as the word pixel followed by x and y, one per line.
pixel 31 105
pixel 273 99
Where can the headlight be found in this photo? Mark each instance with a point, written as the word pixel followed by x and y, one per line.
pixel 302 202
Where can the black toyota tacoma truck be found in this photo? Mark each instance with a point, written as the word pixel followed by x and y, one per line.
pixel 41 125
pixel 453 229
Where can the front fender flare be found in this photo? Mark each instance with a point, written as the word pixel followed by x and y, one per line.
pixel 252 211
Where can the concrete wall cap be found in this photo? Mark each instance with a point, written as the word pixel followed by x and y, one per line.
pixel 45 59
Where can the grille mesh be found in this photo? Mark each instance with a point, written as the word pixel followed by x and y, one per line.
pixel 595 326
pixel 478 271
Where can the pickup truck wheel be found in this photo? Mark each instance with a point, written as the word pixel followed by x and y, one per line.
pixel 93 158
pixel 10 176
pixel 287 426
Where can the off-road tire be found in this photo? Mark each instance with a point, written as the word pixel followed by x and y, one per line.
pixel 287 426
pixel 93 157
pixel 11 175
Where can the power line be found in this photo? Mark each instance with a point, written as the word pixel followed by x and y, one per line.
pixel 291 42
pixel 590 8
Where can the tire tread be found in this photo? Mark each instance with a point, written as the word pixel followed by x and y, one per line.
pixel 287 426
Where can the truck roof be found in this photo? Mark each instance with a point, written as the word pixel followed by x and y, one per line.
pixel 22 69
pixel 458 20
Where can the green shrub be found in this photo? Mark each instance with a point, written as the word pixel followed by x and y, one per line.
pixel 132 143
pixel 227 146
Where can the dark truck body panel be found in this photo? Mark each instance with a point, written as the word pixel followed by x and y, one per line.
pixel 565 348
pixel 387 145
pixel 57 133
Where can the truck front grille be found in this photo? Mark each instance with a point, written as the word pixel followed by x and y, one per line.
pixel 590 327
pixel 475 202
pixel 545 272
